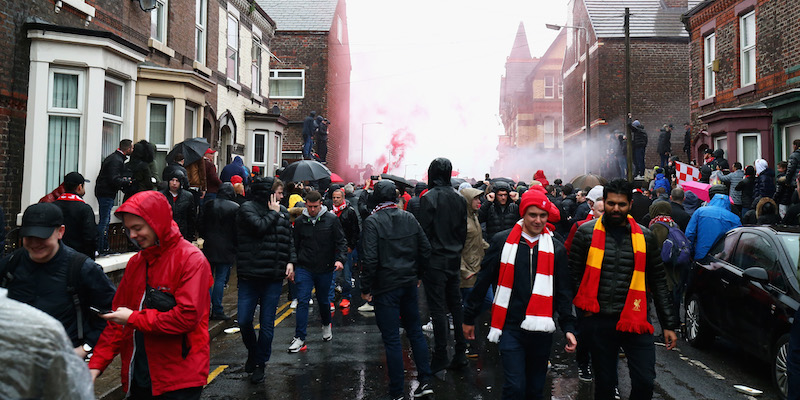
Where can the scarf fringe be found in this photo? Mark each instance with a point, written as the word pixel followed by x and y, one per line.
pixel 624 325
pixel 538 324
pixel 494 335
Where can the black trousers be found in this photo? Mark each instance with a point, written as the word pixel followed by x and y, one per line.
pixel 443 294
pixel 140 393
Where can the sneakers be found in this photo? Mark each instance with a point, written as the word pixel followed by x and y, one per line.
pixel 424 389
pixel 366 307
pixel 297 345
pixel 333 307
pixel 327 334
pixel 345 303
pixel 617 396
pixel 294 304
pixel 219 317
pixel 428 327
pixel 258 375
pixel 585 373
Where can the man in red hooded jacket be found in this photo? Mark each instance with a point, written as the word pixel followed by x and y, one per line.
pixel 163 352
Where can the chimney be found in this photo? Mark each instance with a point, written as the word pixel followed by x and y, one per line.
pixel 676 3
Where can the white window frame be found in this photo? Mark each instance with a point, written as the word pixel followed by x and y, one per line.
pixel 276 151
pixel 201 31
pixel 709 56
pixel 116 119
pixel 551 87
pixel 255 69
pixel 192 121
pixel 77 112
pixel 787 146
pixel 232 75
pixel 263 163
pixel 168 133
pixel 162 31
pixel 274 74
pixel 740 146
pixel 747 51
pixel 549 135
pixel 718 139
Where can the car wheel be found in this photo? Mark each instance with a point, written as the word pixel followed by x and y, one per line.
pixel 698 333
pixel 780 365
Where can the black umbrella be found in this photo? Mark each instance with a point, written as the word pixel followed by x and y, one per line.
pixel 396 179
pixel 305 170
pixel 456 182
pixel 581 181
pixel 509 181
pixel 192 149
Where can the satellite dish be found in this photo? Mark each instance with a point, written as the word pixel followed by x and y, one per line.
pixel 147 5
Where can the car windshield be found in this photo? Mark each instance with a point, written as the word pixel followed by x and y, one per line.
pixel 791 242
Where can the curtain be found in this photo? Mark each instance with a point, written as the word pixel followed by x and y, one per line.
pixel 63 138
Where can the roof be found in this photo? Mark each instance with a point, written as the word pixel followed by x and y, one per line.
pixel 649 18
pixel 301 15
pixel 520 50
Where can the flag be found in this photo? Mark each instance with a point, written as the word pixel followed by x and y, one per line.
pixel 686 172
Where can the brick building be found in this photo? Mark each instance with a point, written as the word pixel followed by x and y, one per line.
pixel 311 72
pixel 659 71
pixel 745 77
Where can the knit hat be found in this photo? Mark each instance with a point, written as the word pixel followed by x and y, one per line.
pixel 595 193
pixel 539 199
pixel 761 165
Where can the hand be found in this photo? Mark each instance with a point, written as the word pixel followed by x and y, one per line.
pixel 119 317
pixel 338 266
pixel 469 331
pixel 95 373
pixel 513 195
pixel 572 343
pixel 366 297
pixel 670 339
pixel 203 196
pixel 80 352
pixel 290 272
pixel 273 204
pixel 490 196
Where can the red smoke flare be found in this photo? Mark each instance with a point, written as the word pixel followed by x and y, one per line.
pixel 396 150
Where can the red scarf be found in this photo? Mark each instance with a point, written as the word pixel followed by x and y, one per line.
pixel 383 206
pixel 539 313
pixel 338 210
pixel 70 197
pixel 662 218
pixel 634 316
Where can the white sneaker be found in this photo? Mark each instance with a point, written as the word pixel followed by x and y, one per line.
pixel 297 345
pixel 327 335
pixel 366 307
pixel 428 327
pixel 294 304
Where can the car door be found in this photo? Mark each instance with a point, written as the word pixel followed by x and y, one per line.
pixel 709 276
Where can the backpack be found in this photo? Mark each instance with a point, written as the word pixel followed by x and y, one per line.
pixel 676 249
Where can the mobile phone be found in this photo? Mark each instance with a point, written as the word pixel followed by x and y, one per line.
pixel 99 311
pixel 374 177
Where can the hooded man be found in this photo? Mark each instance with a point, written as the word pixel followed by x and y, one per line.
pixel 539 176
pixel 715 218
pixel 110 180
pixel 499 212
pixel 159 325
pixel 765 181
pixel 474 249
pixel 220 242
pixel 413 204
pixel 639 145
pixel 236 167
pixel 529 268
pixel 184 211
pixel 81 231
pixel 664 144
pixel 443 217
pixel 309 128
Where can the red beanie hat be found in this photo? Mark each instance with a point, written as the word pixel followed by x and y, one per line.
pixel 539 199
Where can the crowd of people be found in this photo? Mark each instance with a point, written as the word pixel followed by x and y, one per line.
pixel 535 253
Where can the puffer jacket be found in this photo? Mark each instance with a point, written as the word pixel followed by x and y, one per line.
pixel 617 271
pixel 216 227
pixel 264 243
pixel 474 247
pixel 639 134
pixel 764 187
pixel 395 251
pixel 443 217
pixel 175 266
pixel 664 141
pixel 138 168
pixel 320 241
pixel 792 168
pixel 498 217
pixel 350 225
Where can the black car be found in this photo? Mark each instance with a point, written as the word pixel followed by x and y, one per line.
pixel 747 291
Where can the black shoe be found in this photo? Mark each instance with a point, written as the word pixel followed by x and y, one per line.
pixel 219 317
pixel 585 373
pixel 424 389
pixel 258 375
pixel 250 365
pixel 438 363
pixel 459 361
pixel 472 352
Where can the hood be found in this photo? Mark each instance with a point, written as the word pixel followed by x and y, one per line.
pixel 717 189
pixel 761 166
pixel 469 194
pixel 720 201
pixel 719 154
pixel 322 211
pixel 660 208
pixel 331 189
pixel 637 124
pixel 419 187
pixel 226 191
pixel 384 191
pixel 539 175
pixel 766 206
pixel 690 202
pixel 153 207
pixel 439 172
pixel 177 173
pixel 261 189
pixel 595 193
pixel 660 175
pixel 237 161
pixel 143 151
pixel 501 186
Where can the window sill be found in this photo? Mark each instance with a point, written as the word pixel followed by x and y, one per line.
pixel 156 45
pixel 201 68
pixel 705 102
pixel 79 5
pixel 743 90
pixel 233 85
pixel 258 99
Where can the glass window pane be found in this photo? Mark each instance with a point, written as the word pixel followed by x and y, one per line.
pixel 112 101
pixel 63 138
pixel 189 124
pixel 791 134
pixel 259 147
pixel 290 74
pixel 158 124
pixel 111 137
pixel 233 32
pixel 157 22
pixel 275 149
pixel 286 88
pixel 750 150
pixel 65 90
pixel 232 57
pixel 749 27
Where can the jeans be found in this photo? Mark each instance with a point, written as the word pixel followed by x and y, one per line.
pixel 251 293
pixel 322 149
pixel 604 342
pixel 443 295
pixel 622 162
pixel 393 308
pixel 793 358
pixel 305 280
pixel 220 277
pixel 106 204
pixel 664 160
pixel 638 160
pixel 345 276
pixel 524 356
pixel 307 144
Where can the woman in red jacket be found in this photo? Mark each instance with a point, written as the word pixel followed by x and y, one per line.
pixel 162 336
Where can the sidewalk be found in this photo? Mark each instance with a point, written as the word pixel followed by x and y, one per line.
pixel 108 385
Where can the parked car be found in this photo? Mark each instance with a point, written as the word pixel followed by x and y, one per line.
pixel 747 292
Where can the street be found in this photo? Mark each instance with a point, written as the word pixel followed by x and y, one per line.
pixel 352 367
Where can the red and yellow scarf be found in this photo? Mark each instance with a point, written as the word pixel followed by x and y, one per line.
pixel 634 316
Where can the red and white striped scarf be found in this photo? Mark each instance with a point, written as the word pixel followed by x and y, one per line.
pixel 70 197
pixel 338 209
pixel 539 313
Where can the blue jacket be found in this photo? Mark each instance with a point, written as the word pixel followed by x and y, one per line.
pixel 715 218
pixel 661 181
pixel 236 167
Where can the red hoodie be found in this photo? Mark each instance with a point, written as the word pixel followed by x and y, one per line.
pixel 539 176
pixel 175 266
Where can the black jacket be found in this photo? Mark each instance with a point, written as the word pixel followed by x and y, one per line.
pixel 617 271
pixel 746 186
pixel 395 249
pixel 640 206
pixel 350 225
pixel 44 286
pixel 139 169
pixel 81 230
pixel 524 270
pixel 172 170
pixel 443 217
pixel 639 136
pixel 217 227
pixel 687 141
pixel 569 205
pixel 581 212
pixel 764 187
pixel 679 215
pixel 184 212
pixel 264 243
pixel 319 241
pixel 110 180
pixel 497 217
pixel 792 168
pixel 413 204
pixel 664 142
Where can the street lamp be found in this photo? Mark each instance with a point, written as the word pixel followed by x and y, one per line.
pixel 588 86
pixel 363 124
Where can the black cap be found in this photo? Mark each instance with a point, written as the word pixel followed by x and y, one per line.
pixel 40 220
pixel 74 179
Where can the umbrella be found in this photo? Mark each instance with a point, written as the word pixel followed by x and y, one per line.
pixel 335 178
pixel 396 179
pixel 591 180
pixel 192 149
pixel 509 181
pixel 456 182
pixel 305 170
pixel 699 189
